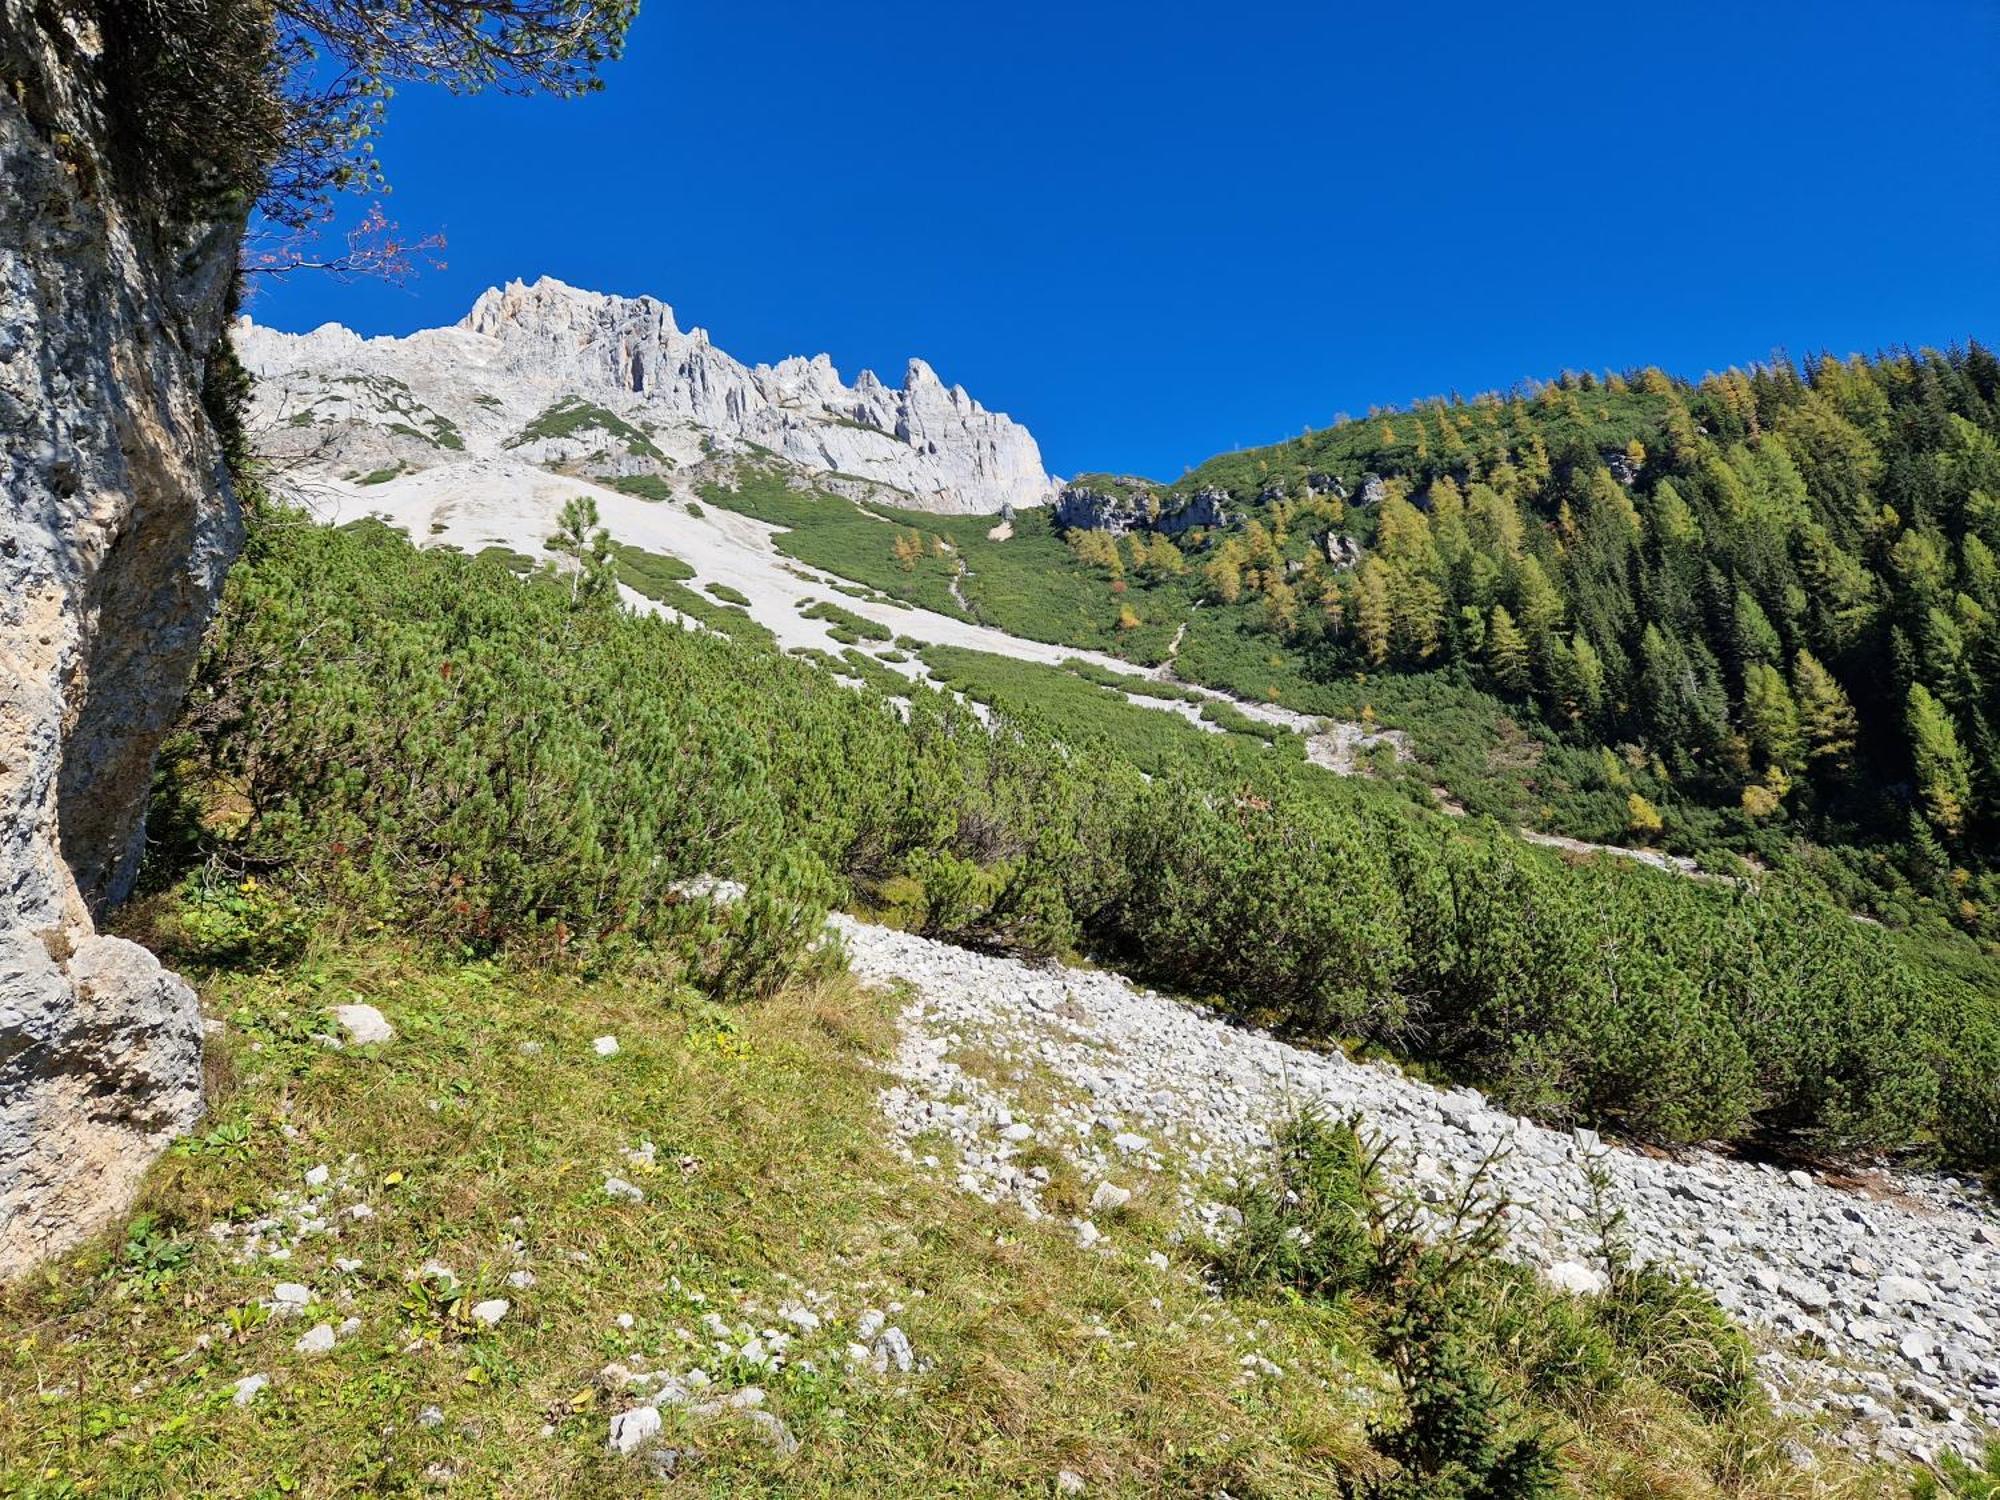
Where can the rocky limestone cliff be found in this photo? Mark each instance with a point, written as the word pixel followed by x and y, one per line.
pixel 118 529
pixel 612 386
pixel 1130 505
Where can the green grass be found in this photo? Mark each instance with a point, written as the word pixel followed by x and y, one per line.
pixel 490 1158
pixel 1148 738
pixel 1029 586
pixel 728 595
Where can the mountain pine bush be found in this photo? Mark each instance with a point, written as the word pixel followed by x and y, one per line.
pixel 497 763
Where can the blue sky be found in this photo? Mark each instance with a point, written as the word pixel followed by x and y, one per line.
pixel 1156 231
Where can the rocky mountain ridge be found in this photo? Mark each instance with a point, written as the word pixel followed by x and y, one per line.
pixel 614 388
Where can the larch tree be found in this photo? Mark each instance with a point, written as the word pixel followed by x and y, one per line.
pixel 1826 717
pixel 1770 717
pixel 1944 777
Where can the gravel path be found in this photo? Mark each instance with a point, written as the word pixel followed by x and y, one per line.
pixel 1876 1309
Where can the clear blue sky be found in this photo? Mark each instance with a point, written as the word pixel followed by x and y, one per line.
pixel 1155 231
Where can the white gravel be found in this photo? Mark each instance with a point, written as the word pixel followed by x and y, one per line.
pixel 1876 1312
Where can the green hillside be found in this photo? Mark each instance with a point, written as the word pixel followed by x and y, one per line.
pixel 1751 617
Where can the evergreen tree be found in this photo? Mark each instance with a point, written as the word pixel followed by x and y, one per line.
pixel 1755 639
pixel 593 575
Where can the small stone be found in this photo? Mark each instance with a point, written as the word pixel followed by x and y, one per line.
pixel 430 1416
pixel 1128 1142
pixel 1809 1294
pixel 892 1350
pixel 1018 1133
pixel 1904 1290
pixel 802 1318
pixel 317 1176
pixel 249 1388
pixel 1799 1179
pixel 347 1265
pixel 607 1046
pixel 1575 1277
pixel 631 1430
pixel 364 1024
pixel 291 1296
pixel 618 1187
pixel 1108 1197
pixel 520 1280
pixel 772 1430
pixel 348 1328
pixel 869 1324
pixel 491 1311
pixel 316 1340
pixel 625 1320
pixel 1069 1482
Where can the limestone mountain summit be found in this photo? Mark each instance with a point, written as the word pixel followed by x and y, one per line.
pixel 613 387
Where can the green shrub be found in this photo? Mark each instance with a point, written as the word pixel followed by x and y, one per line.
pixel 1281 903
pixel 1305 1220
pixel 420 737
pixel 1956 1478
pixel 771 935
pixel 217 921
pixel 847 620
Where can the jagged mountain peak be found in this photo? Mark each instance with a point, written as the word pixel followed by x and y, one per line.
pixel 547 302
pixel 516 374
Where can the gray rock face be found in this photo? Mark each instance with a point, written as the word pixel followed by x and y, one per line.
pixel 1084 508
pixel 118 529
pixel 490 384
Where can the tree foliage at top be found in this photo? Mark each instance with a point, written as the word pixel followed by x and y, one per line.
pixel 226 104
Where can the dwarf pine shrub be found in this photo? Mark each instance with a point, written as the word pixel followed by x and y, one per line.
pixel 493 762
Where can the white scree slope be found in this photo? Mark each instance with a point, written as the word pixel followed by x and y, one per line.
pixel 1901 1289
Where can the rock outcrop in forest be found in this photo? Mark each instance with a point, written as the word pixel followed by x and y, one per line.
pixel 120 526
